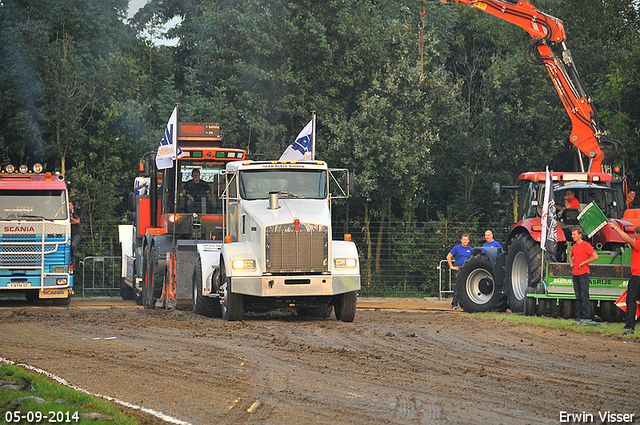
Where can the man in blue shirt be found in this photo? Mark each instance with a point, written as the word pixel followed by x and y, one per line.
pixel 488 235
pixel 461 253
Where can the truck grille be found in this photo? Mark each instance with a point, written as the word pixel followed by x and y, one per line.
pixel 303 251
pixel 24 244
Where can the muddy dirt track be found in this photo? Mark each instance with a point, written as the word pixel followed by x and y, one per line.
pixel 424 365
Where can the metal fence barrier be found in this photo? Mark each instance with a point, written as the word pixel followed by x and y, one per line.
pixel 447 279
pixel 100 276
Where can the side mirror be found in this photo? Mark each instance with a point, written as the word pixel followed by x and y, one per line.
pixel 144 169
pixel 496 189
pixel 350 183
pixel 131 201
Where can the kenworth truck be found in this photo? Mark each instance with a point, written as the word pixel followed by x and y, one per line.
pixel 495 280
pixel 159 249
pixel 278 250
pixel 35 234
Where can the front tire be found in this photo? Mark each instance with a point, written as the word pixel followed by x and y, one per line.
pixel 477 289
pixel 232 304
pixel 524 262
pixel 345 306
pixel 202 305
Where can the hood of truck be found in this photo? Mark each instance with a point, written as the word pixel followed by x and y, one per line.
pixel 306 210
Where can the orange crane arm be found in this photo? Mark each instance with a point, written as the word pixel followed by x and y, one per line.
pixel 586 133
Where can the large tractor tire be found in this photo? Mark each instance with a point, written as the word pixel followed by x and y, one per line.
pixel 202 305
pixel 524 262
pixel 232 304
pixel 477 288
pixel 345 306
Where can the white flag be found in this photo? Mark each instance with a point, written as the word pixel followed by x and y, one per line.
pixel 302 148
pixel 549 237
pixel 168 150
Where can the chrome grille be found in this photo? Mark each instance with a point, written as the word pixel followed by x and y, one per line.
pixel 289 251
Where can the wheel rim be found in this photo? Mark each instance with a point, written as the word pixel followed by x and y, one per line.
pixel 194 301
pixel 519 276
pixel 480 286
pixel 224 300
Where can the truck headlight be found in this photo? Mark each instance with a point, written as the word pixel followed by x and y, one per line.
pixel 346 262
pixel 243 264
pixel 61 281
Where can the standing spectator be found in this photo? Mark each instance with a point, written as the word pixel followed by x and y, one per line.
pixel 461 253
pixel 633 291
pixel 75 213
pixel 582 253
pixel 488 235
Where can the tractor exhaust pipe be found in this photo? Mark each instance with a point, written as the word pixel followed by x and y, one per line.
pixel 273 200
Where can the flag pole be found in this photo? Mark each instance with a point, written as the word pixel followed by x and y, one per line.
pixel 313 135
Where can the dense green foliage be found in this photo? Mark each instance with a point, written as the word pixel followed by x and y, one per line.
pixel 85 92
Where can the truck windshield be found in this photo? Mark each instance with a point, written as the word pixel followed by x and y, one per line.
pixel 308 184
pixel 33 205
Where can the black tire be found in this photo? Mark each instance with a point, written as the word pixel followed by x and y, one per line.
pixel 126 291
pixel 524 261
pixel 152 290
pixel 529 303
pixel 232 304
pixel 541 306
pixel 477 289
pixel 321 312
pixel 137 297
pixel 619 315
pixel 568 307
pixel 555 308
pixel 62 301
pixel 202 305
pixel 345 306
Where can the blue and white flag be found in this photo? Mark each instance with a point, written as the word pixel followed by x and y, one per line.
pixel 168 150
pixel 302 148
pixel 549 237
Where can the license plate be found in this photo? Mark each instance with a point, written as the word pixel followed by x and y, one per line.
pixel 18 284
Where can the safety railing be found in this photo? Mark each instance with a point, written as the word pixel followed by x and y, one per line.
pixel 100 276
pixel 447 270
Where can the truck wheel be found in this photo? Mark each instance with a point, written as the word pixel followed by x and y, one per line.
pixel 202 305
pixel 477 288
pixel 126 292
pixel 345 306
pixel 529 303
pixel 232 304
pixel 524 260
pixel 153 281
pixel 541 307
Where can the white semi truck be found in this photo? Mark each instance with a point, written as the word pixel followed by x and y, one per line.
pixel 278 249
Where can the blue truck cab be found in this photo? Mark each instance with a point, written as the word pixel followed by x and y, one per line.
pixel 35 234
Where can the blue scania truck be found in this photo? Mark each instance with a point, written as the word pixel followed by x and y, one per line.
pixel 35 234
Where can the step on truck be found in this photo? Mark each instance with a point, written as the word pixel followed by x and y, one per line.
pixel 172 211
pixel 35 234
pixel 278 249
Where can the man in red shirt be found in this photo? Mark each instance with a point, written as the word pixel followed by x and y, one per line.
pixel 633 290
pixel 570 200
pixel 582 253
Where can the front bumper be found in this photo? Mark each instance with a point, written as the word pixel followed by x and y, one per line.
pixel 283 286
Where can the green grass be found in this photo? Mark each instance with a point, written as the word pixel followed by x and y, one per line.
pixel 58 398
pixel 605 328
